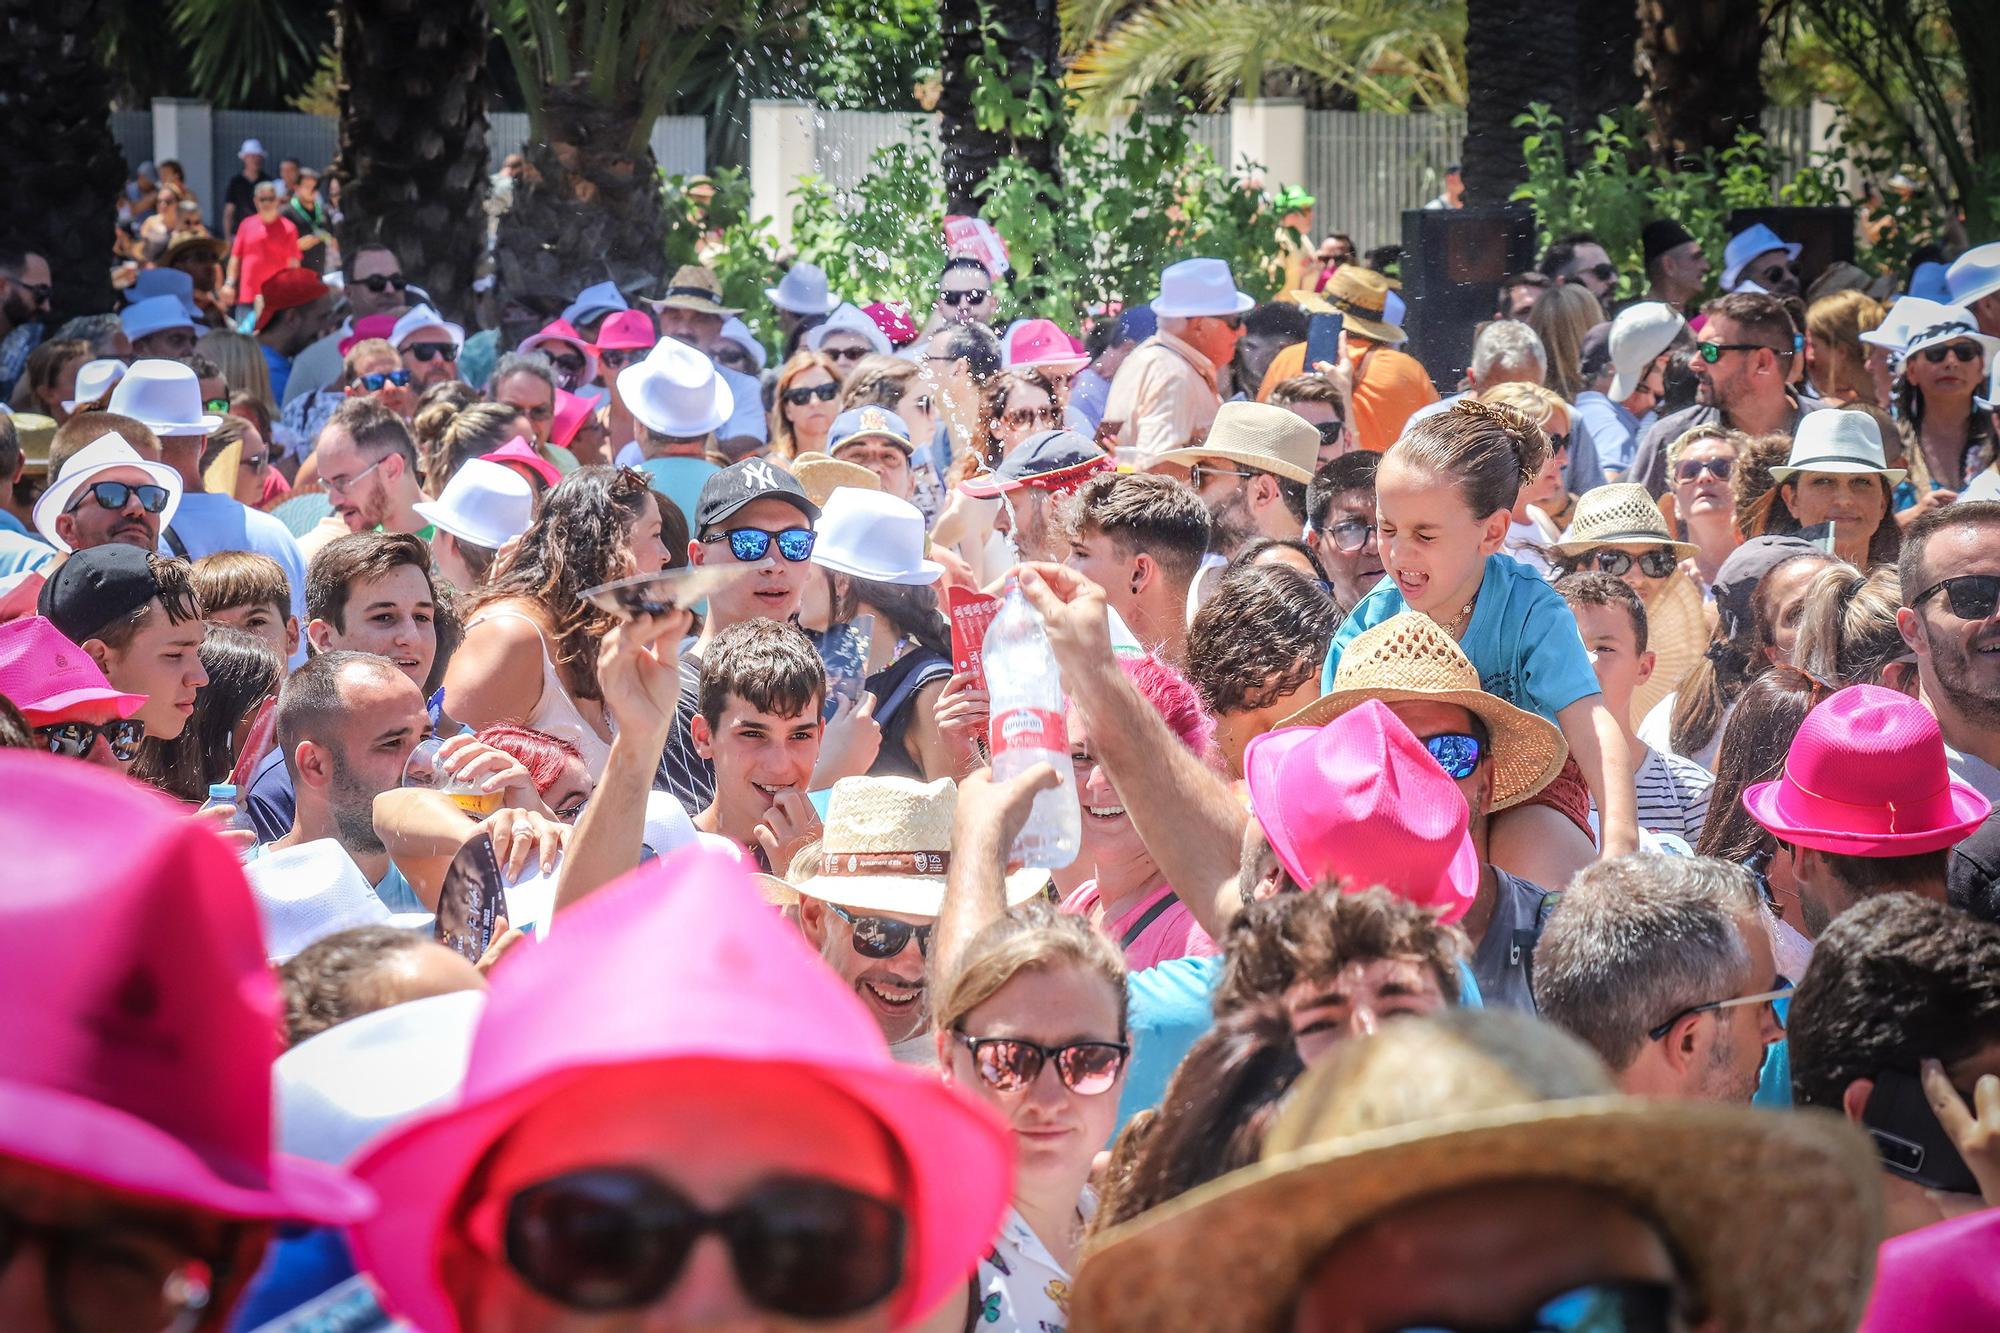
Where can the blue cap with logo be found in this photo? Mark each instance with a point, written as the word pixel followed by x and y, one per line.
pixel 868 423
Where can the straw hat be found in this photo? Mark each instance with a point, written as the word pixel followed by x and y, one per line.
pixel 1482 1097
pixel 1620 514
pixel 821 476
pixel 887 848
pixel 1677 636
pixel 695 288
pixel 1361 295
pixel 1409 657
pixel 37 434
pixel 1270 439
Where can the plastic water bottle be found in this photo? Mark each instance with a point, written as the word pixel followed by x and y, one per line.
pixel 224 793
pixel 1028 728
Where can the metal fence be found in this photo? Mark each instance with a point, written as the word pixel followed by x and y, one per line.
pixel 1364 168
pixel 134 132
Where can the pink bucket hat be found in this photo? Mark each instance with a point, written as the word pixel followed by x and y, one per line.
pixel 1360 800
pixel 46 675
pixel 520 455
pixel 368 326
pixel 572 410
pixel 681 962
pixel 562 332
pixel 140 1061
pixel 1866 776
pixel 1042 343
pixel 626 330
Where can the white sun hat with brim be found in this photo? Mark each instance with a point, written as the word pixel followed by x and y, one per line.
pixel 848 318
pixel 736 331
pixel 675 390
pixel 874 536
pixel 802 291
pixel 106 453
pixel 164 397
pixel 1746 245
pixel 94 380
pixel 887 848
pixel 1197 287
pixel 1954 323
pixel 308 892
pixel 1837 440
pixel 418 318
pixel 1904 313
pixel 1975 274
pixel 484 504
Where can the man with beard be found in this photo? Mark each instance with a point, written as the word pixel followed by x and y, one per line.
pixel 368 463
pixel 1663 966
pixel 1043 467
pixel 1950 572
pixel 108 492
pixel 24 301
pixel 374 286
pixel 1252 472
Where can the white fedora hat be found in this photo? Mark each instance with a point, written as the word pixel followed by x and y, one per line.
pixel 1746 245
pixel 1197 287
pixel 155 314
pixel 848 318
pixel 484 504
pixel 1974 274
pixel 165 397
pixel 1954 323
pixel 675 390
pixel 308 892
pixel 251 146
pixel 1903 314
pixel 1638 336
pixel 887 848
pixel 803 290
pixel 96 379
pixel 103 454
pixel 1836 440
pixel 873 536
pixel 418 318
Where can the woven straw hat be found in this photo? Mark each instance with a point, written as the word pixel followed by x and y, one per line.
pixel 1676 635
pixel 1619 514
pixel 1270 439
pixel 1481 1097
pixel 887 848
pixel 1362 297
pixel 1410 657
pixel 821 476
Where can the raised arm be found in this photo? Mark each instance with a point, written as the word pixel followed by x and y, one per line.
pixel 990 816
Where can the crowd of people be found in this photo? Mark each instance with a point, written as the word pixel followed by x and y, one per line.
pixel 506 828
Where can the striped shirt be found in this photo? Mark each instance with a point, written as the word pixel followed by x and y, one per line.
pixel 682 771
pixel 1673 795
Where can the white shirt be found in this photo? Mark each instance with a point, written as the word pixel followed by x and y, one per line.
pixel 1020 1285
pixel 1524 541
pixel 1971 768
pixel 1658 724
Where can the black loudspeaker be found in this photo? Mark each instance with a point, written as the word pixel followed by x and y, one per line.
pixel 1453 261
pixel 1826 233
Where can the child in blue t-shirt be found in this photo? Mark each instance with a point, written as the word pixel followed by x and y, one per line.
pixel 1444 496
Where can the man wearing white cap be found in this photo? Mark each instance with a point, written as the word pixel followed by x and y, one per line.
pixel 239 196
pixel 107 492
pixel 1757 259
pixel 801 292
pixel 429 345
pixel 158 326
pixel 484 506
pixel 1164 396
pixel 678 399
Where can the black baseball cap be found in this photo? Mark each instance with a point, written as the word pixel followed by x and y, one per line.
pixel 97 587
pixel 740 483
pixel 1049 460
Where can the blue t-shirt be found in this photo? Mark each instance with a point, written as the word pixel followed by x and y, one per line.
pixel 1522 640
pixel 1613 430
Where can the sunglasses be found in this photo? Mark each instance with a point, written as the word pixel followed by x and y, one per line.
pixel 1457 753
pixel 1653 564
pixel 1778 273
pixel 825 393
pixel 428 352
pixel 1351 535
pixel 568 365
pixel 750 544
pixel 1712 352
pixel 73 740
pixel 113 495
pixel 1689 469
pixel 879 937
pixel 41 291
pixel 1009 1064
pixel 219 406
pixel 111 1279
pixel 1602 272
pixel 971 296
pixel 382 282
pixel 844 353
pixel 737 359
pixel 1199 474
pixel 1597 1307
pixel 1970 596
pixel 375 380
pixel 1961 351
pixel 617 358
pixel 616 1238
pixel 1020 418
pixel 255 462
pixel 1782 991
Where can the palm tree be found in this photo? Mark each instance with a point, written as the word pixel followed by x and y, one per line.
pixel 1702 69
pixel 998 99
pixel 61 165
pixel 412 160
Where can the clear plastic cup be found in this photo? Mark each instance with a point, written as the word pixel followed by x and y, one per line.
pixel 425 769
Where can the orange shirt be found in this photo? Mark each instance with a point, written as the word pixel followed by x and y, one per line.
pixel 1391 387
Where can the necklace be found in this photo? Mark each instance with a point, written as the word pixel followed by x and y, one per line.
pixel 1456 626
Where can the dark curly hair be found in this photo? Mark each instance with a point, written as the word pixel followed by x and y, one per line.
pixel 1293 936
pixel 1262 635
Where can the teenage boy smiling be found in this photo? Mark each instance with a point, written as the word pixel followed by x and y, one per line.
pixel 759 727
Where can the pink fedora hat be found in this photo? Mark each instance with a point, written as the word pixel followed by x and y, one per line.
pixel 627 330
pixel 1938 1279
pixel 1360 800
pixel 46 675
pixel 520 455
pixel 1866 776
pixel 681 963
pixel 1042 343
pixel 141 1018
pixel 368 326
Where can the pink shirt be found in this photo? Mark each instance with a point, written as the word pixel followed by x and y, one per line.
pixel 1170 935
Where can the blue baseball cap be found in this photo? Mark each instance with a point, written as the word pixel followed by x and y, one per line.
pixel 868 423
pixel 1049 460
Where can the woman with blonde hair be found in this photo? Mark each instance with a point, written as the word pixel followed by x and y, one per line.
pixel 804 402
pixel 1699 467
pixel 1561 317
pixel 1847 631
pixel 1836 358
pixel 241 360
pixel 1543 507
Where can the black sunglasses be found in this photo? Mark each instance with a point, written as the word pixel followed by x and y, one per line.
pixel 799 397
pixel 616 1238
pixel 1653 564
pixel 113 495
pixel 432 351
pixel 1457 753
pixel 1009 1064
pixel 879 937
pixel 1690 468
pixel 111 1279
pixel 971 296
pixel 748 544
pixel 382 282
pixel 375 380
pixel 1602 272
pixel 844 353
pixel 1597 1307
pixel 73 740
pixel 1970 596
pixel 1961 350
pixel 617 358
pixel 571 364
pixel 1351 535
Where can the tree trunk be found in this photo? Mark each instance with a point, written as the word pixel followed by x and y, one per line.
pixel 1029 39
pixel 61 167
pixel 412 161
pixel 588 207
pixel 1701 67
pixel 1516 52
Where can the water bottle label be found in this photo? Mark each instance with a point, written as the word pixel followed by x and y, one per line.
pixel 1030 729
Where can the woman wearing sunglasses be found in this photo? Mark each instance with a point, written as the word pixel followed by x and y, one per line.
pixel 1834 487
pixel 1014 405
pixel 1948 437
pixel 804 404
pixel 1699 466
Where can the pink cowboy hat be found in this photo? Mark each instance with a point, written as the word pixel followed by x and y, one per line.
pixel 142 1019
pixel 1042 343
pixel 1866 776
pixel 681 962
pixel 1361 801
pixel 520 455
pixel 627 330
pixel 368 326
pixel 562 332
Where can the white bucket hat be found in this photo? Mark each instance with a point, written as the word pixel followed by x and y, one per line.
pixel 1953 323
pixel 418 318
pixel 802 291
pixel 1196 287
pixel 848 318
pixel 675 390
pixel 86 465
pixel 873 536
pixel 484 504
pixel 163 396
pixel 1836 440
pixel 96 379
pixel 308 892
pixel 1974 274
pixel 1638 336
pixel 251 146
pixel 601 298
pixel 887 848
pixel 1746 245
pixel 155 314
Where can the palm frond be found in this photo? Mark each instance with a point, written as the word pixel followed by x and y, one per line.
pixel 235 48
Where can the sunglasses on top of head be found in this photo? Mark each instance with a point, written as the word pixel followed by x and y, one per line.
pixel 432 351
pixel 1653 564
pixel 74 740
pixel 1970 596
pixel 800 396
pixel 753 544
pixel 618 1238
pixel 377 380
pixel 1010 1064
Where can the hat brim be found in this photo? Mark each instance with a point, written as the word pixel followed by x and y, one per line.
pixel 1381 330
pixel 45 711
pixel 1677 636
pixel 696 304
pixel 716 411
pixel 444 520
pixel 926 572
pixel 1681 550
pixel 801 503
pixel 909 895
pixel 777 298
pixel 1528 749
pixel 1263 462
pixel 62 492
pixel 1166 309
pixel 75 1135
pixel 1259 1231
pixel 1767 804
pixel 1842 467
pixel 536 342
pixel 833 450
pixel 1973 294
pixel 1061 365
pixel 1734 274
pixel 992 485
pixel 1988 345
